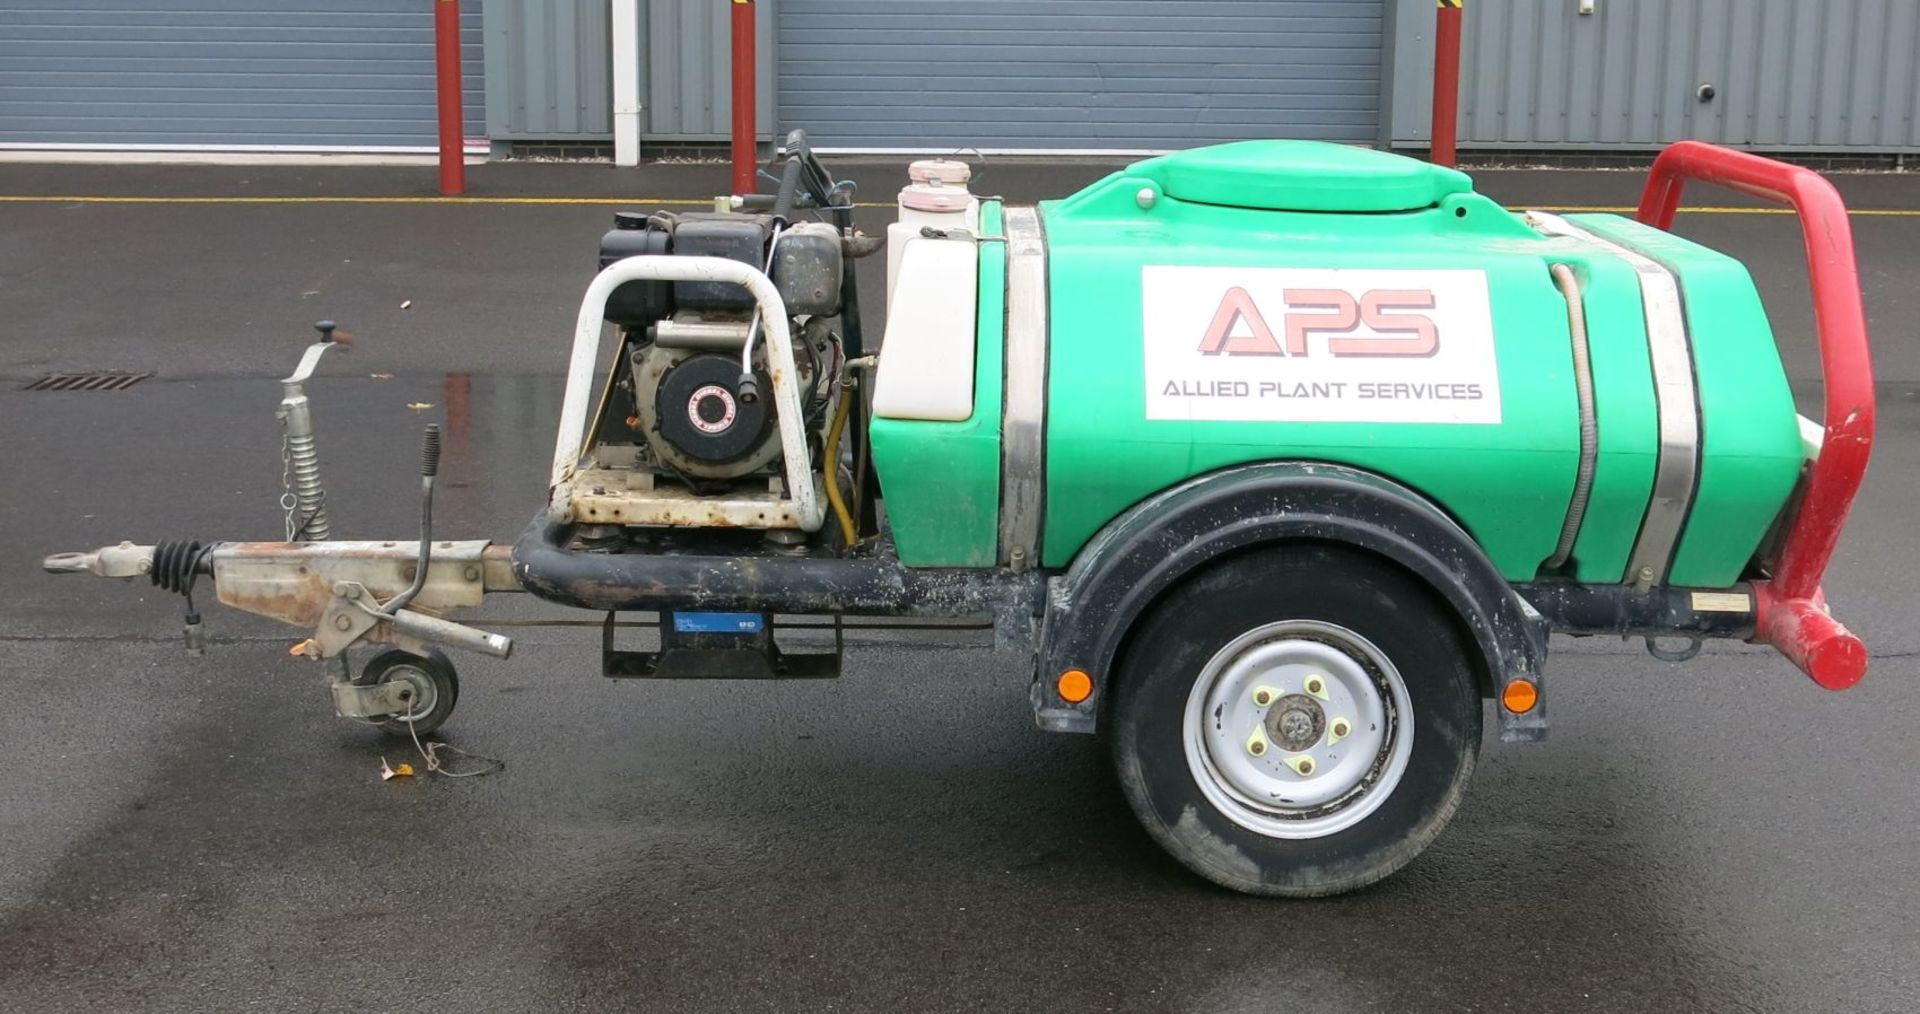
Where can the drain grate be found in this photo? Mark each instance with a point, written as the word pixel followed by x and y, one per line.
pixel 87 381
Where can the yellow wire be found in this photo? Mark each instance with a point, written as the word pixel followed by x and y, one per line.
pixel 831 453
pixel 832 461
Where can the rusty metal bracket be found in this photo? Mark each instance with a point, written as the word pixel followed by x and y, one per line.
pixel 348 617
pixel 336 589
pixel 353 614
pixel 377 701
pixel 294 582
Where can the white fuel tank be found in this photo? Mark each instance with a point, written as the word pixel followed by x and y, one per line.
pixel 936 196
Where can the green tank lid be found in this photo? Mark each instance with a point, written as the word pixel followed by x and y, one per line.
pixel 1302 176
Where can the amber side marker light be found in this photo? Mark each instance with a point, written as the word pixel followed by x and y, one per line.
pixel 1520 696
pixel 1074 686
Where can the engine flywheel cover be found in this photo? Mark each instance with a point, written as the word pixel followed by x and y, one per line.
pixel 701 413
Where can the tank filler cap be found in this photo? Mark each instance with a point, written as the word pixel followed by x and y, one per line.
pixel 1302 176
pixel 940 171
pixel 927 197
pixel 939 186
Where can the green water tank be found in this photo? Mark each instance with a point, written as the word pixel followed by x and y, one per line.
pixel 1291 300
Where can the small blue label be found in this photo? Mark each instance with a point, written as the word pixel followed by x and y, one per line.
pixel 718 623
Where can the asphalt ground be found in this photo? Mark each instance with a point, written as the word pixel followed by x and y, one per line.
pixel 203 834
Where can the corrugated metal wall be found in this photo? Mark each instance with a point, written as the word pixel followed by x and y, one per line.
pixel 225 73
pixel 1786 74
pixel 550 74
pixel 688 90
pixel 1079 74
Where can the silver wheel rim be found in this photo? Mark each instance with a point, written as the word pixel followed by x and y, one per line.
pixel 1298 729
pixel 425 694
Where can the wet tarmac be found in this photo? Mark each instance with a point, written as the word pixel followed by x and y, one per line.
pixel 194 834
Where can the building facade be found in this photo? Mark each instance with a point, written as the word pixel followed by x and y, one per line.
pixel 997 75
pixel 227 75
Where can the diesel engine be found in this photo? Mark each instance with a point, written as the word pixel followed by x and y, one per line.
pixel 689 401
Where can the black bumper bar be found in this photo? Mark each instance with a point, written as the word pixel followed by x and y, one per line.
pixel 764 579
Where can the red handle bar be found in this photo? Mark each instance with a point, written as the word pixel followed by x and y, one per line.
pixel 1790 612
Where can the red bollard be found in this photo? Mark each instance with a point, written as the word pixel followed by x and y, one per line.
pixel 1446 81
pixel 446 51
pixel 744 73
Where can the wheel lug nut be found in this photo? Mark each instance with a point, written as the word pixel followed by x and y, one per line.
pixel 1257 742
pixel 1317 686
pixel 1263 696
pixel 1302 765
pixel 1337 730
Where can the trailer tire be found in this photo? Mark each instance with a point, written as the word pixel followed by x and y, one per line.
pixel 1298 720
pixel 434 681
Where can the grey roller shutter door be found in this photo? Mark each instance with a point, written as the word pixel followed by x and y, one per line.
pixel 1079 74
pixel 227 73
pixel 1785 75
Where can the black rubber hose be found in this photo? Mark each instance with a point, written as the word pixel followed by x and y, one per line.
pixel 789 188
pixel 851 339
pixel 1569 284
pixel 765 202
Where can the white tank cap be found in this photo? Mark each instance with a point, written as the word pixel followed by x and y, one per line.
pixel 940 171
pixel 934 197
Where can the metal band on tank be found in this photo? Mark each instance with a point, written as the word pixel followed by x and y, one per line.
pixel 1671 351
pixel 1023 413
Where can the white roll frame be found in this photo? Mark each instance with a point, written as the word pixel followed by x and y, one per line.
pixel 570 446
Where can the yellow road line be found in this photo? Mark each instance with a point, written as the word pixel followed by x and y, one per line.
pixel 684 202
pixel 630 201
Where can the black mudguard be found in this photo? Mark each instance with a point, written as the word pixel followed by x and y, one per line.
pixel 1142 554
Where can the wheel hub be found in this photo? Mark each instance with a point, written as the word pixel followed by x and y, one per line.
pixel 1298 729
pixel 1296 722
pixel 421 695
